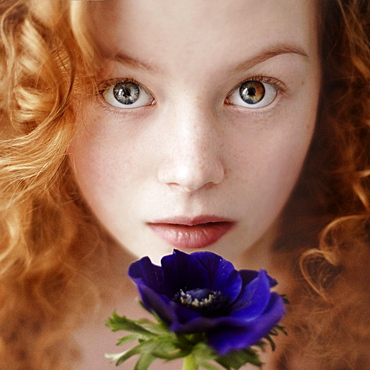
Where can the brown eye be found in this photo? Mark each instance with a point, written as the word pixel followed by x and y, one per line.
pixel 253 94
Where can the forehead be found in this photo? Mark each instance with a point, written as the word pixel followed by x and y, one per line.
pixel 165 31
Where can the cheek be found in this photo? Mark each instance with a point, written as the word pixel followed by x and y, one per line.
pixel 111 163
pixel 92 167
pixel 98 154
pixel 96 168
pixel 268 163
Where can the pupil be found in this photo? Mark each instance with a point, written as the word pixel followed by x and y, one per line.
pixel 126 92
pixel 252 92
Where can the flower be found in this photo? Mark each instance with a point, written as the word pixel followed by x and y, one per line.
pixel 203 293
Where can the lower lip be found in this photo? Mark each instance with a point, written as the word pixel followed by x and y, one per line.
pixel 192 237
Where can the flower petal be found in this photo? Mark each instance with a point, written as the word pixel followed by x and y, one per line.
pixel 255 297
pixel 231 337
pixel 144 272
pixel 222 275
pixel 157 303
pixel 183 271
pixel 251 312
pixel 184 316
pixel 249 275
pixel 195 325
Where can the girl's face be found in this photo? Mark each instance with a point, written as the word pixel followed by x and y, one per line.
pixel 204 117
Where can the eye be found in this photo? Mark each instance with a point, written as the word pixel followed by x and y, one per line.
pixel 127 95
pixel 253 94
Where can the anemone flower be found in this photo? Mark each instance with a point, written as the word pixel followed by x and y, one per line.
pixel 202 292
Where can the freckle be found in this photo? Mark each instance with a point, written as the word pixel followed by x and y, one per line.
pixel 259 121
pixel 22 355
pixel 226 175
pixel 13 337
pixel 200 102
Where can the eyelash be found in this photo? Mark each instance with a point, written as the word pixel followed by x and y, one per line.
pixel 280 87
pixel 106 84
pixel 277 84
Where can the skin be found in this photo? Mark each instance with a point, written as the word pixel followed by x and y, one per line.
pixel 192 150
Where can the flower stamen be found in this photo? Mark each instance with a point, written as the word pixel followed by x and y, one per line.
pixel 206 301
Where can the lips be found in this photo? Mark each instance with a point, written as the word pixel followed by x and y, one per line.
pixel 193 233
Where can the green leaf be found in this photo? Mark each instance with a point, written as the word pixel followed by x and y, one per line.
pixel 156 341
pixel 157 329
pixel 114 357
pixel 117 322
pixel 236 359
pixel 189 363
pixel 166 348
pixel 274 332
pixel 155 347
pixel 210 366
pixel 129 338
pixel 280 329
pixel 204 355
pixel 285 299
pixel 271 342
pixel 145 360
pixel 127 354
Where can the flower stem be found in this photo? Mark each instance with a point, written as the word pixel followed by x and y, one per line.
pixel 189 363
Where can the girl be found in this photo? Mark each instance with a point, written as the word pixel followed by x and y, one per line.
pixel 132 127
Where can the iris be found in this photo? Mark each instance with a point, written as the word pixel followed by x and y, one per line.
pixel 252 92
pixel 203 293
pixel 126 92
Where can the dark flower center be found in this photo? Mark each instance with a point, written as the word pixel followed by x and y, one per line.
pixel 205 301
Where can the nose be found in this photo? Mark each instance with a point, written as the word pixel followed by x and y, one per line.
pixel 193 156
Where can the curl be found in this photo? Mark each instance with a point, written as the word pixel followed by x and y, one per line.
pixel 43 225
pixel 329 324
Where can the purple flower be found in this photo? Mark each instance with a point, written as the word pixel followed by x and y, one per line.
pixel 202 292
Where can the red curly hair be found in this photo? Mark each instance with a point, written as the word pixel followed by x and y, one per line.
pixel 48 238
pixel 328 323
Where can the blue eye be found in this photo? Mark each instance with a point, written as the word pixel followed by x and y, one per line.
pixel 127 95
pixel 253 94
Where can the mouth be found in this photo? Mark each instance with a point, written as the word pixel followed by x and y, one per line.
pixel 192 233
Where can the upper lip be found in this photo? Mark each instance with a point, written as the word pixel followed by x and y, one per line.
pixel 192 221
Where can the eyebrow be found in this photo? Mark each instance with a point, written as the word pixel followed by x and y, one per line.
pixel 132 62
pixel 269 53
pixel 266 54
